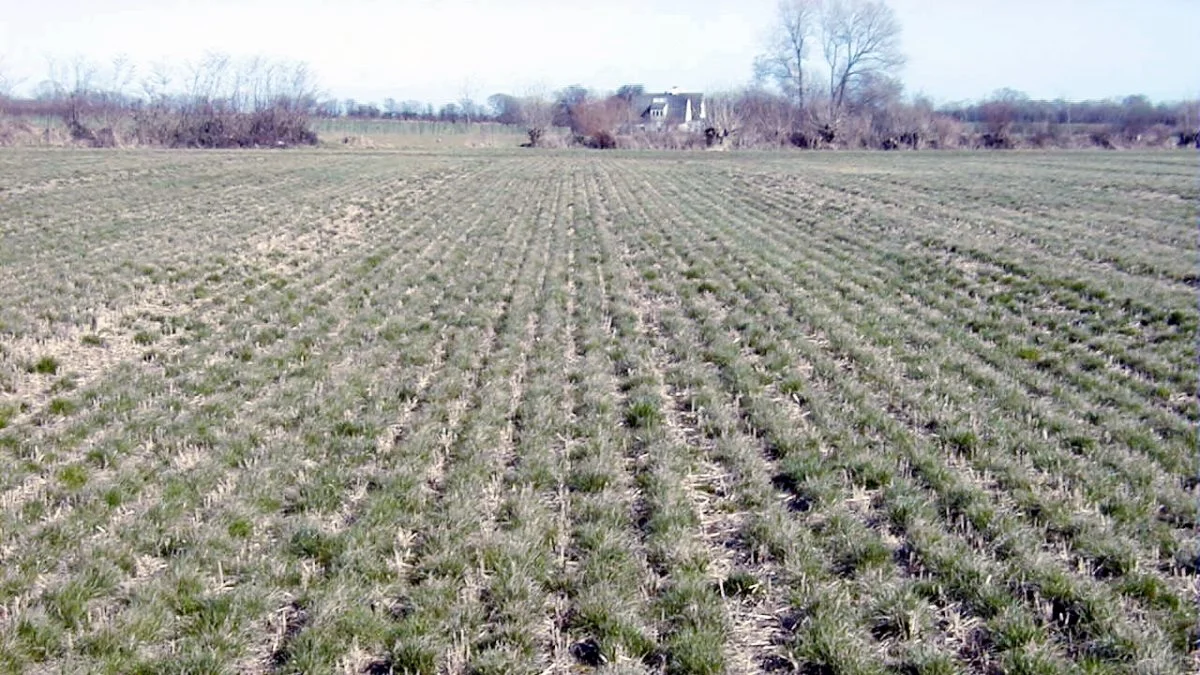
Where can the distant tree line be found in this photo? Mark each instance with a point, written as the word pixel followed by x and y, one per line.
pixel 1009 118
pixel 827 78
pixel 877 117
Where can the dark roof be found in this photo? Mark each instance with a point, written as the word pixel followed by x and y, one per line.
pixel 676 104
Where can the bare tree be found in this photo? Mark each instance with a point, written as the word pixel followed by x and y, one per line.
pixel 7 81
pixel 861 41
pixel 537 114
pixel 7 84
pixel 884 120
pixel 156 85
pixel 449 113
pixel 207 79
pixel 566 100
pixel 921 119
pixel 466 99
pixel 70 77
pixel 506 109
pixel 1000 113
pixel 768 119
pixel 114 100
pixel 252 84
pixel 329 108
pixel 123 71
pixel 411 109
pixel 599 120
pixel 628 92
pixel 723 119
pixel 1191 113
pixel 301 90
pixel 787 48
pixel 70 86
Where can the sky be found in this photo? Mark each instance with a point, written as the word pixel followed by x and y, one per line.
pixel 441 50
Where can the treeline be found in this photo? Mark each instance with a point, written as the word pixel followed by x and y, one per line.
pixel 885 119
pixel 828 78
pixel 874 115
pixel 219 102
pixel 409 111
pixel 832 71
pixel 848 96
pixel 1011 118
pixel 231 109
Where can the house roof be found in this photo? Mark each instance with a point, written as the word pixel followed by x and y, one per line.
pixel 676 104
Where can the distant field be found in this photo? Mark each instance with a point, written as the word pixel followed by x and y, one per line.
pixel 516 412
pixel 408 134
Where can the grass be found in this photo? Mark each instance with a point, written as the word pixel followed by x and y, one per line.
pixel 7 413
pixel 414 134
pixel 521 412
pixel 47 365
pixel 643 414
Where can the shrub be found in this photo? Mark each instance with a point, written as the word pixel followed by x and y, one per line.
pixel 1102 139
pixel 215 127
pixel 996 141
pixel 601 140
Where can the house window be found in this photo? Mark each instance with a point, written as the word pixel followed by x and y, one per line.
pixel 659 99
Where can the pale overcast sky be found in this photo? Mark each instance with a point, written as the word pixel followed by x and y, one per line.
pixel 430 50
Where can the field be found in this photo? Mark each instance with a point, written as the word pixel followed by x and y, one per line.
pixel 525 412
pixel 378 134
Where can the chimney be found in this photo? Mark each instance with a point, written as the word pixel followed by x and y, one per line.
pixel 674 91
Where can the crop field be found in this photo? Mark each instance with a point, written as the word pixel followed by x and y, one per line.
pixel 416 134
pixel 526 412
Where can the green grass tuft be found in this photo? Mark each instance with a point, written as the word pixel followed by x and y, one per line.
pixel 741 583
pixel 47 365
pixel 311 543
pixel 73 477
pixel 62 407
pixel 240 528
pixel 643 414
